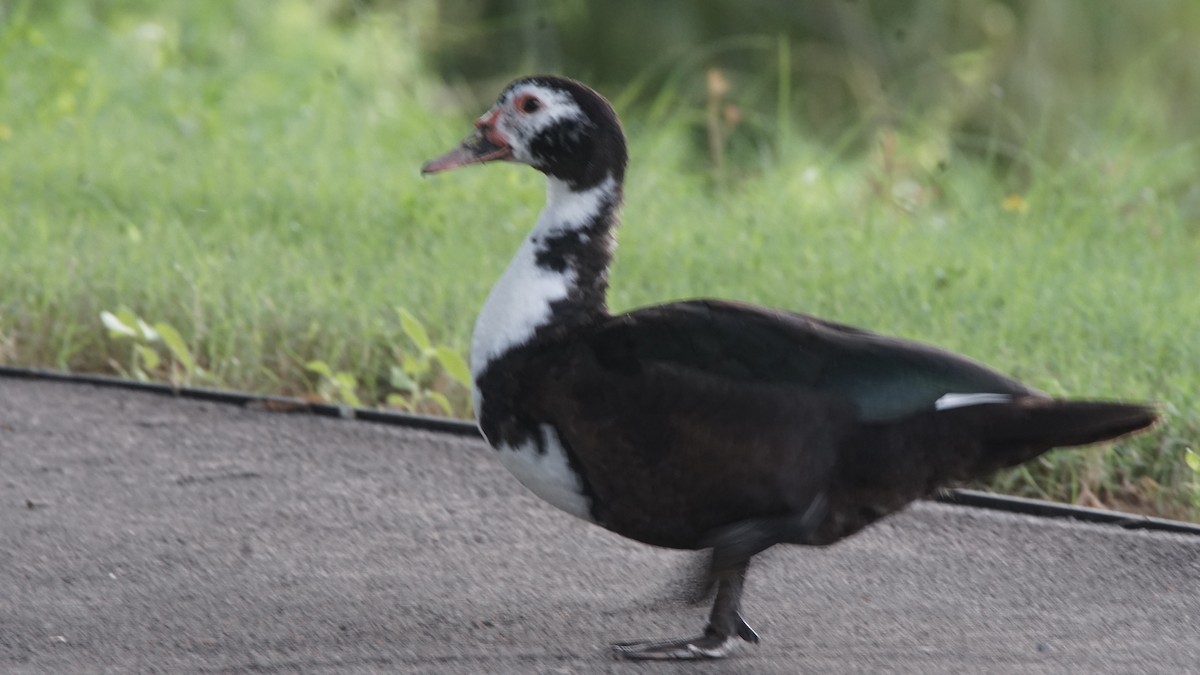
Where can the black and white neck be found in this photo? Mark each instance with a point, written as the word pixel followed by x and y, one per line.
pixel 559 275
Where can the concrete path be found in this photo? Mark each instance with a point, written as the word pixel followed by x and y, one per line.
pixel 140 533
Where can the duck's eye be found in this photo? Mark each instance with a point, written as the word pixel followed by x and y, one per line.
pixel 528 104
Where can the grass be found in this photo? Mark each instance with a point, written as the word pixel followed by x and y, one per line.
pixel 249 177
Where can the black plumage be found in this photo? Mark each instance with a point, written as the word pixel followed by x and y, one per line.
pixel 712 424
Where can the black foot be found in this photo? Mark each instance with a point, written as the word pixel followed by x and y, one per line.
pixel 713 644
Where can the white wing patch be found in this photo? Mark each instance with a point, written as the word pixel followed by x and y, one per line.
pixel 949 401
pixel 547 474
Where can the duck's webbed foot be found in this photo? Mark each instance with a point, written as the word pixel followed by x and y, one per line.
pixel 725 631
pixel 712 644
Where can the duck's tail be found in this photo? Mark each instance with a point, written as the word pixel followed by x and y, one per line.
pixel 1017 431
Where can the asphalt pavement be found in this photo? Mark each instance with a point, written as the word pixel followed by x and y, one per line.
pixel 142 533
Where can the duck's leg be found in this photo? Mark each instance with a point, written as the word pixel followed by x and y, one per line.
pixel 732 548
pixel 725 629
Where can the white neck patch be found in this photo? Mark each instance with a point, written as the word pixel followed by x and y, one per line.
pixel 520 301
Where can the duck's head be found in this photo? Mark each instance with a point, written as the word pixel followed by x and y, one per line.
pixel 558 126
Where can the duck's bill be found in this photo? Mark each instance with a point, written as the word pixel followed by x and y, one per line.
pixel 476 149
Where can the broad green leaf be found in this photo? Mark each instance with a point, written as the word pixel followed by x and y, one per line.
pixel 442 401
pixel 414 330
pixel 399 401
pixel 347 385
pixel 116 327
pixel 128 318
pixel 400 380
pixel 148 356
pixel 1193 460
pixel 414 366
pixel 147 331
pixel 320 368
pixel 455 366
pixel 178 347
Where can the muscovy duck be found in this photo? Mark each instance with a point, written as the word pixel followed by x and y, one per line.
pixel 708 424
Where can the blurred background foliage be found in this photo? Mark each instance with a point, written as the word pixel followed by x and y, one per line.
pixel 980 77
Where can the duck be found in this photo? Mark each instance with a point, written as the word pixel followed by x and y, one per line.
pixel 705 424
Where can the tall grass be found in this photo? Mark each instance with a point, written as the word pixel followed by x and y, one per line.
pixel 248 173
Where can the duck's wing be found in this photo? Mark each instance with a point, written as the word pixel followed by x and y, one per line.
pixel 884 378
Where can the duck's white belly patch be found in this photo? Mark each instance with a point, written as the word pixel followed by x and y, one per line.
pixel 547 474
